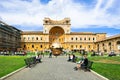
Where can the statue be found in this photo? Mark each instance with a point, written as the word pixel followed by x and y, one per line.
pixel 56 49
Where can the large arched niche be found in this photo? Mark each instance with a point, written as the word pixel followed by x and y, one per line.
pixel 118 45
pixel 56 35
pixel 118 42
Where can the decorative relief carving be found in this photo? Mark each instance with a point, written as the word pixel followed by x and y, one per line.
pixel 60 22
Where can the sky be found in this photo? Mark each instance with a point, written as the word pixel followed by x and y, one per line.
pixel 97 16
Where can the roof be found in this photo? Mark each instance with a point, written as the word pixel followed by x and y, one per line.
pixel 8 26
pixel 32 32
pixel 84 33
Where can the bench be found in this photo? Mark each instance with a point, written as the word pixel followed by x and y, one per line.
pixel 88 67
pixel 20 54
pixel 30 61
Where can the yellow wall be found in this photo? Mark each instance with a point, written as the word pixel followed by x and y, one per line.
pixel 65 40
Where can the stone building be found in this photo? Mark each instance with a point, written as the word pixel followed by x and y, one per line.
pixel 59 32
pixel 10 37
pixel 56 32
pixel 109 44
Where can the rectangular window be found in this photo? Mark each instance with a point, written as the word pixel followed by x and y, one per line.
pixel 89 39
pixel 76 38
pixel 103 44
pixel 71 38
pixel 84 38
pixel 88 46
pixel 28 38
pixel 32 38
pixel 41 38
pixel 80 38
pixel 36 38
pixel 59 39
pixel 32 46
pixel 76 46
pixel 41 46
pixel 24 38
pixel 24 46
pixel 80 46
pixel 71 46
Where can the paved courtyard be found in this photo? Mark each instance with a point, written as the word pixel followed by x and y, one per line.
pixel 53 69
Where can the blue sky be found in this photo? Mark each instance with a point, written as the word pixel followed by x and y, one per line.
pixel 86 15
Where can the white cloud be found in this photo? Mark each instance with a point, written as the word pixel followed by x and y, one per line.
pixel 24 13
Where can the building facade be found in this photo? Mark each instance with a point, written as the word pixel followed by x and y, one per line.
pixel 109 44
pixel 56 32
pixel 10 37
pixel 59 32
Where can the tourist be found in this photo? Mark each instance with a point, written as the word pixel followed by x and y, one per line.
pixel 69 58
pixel 38 58
pixel 73 59
pixel 50 55
pixel 42 53
pixel 82 63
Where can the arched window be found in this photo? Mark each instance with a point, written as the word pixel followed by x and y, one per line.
pixel 118 42
pixel 32 46
pixel 46 22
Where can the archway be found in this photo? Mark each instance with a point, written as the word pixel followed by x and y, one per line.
pixel 56 40
pixel 118 42
pixel 118 45
pixel 56 34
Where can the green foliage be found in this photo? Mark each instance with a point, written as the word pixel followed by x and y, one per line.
pixel 46 53
pixel 30 53
pixel 9 64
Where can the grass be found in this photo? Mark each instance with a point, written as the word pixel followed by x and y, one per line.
pixel 101 59
pixel 107 66
pixel 9 64
pixel 110 71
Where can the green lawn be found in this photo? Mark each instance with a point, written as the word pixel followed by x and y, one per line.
pixel 107 66
pixel 9 64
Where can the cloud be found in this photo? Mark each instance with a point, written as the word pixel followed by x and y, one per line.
pixel 29 13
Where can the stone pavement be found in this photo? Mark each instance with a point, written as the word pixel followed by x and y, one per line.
pixel 53 69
